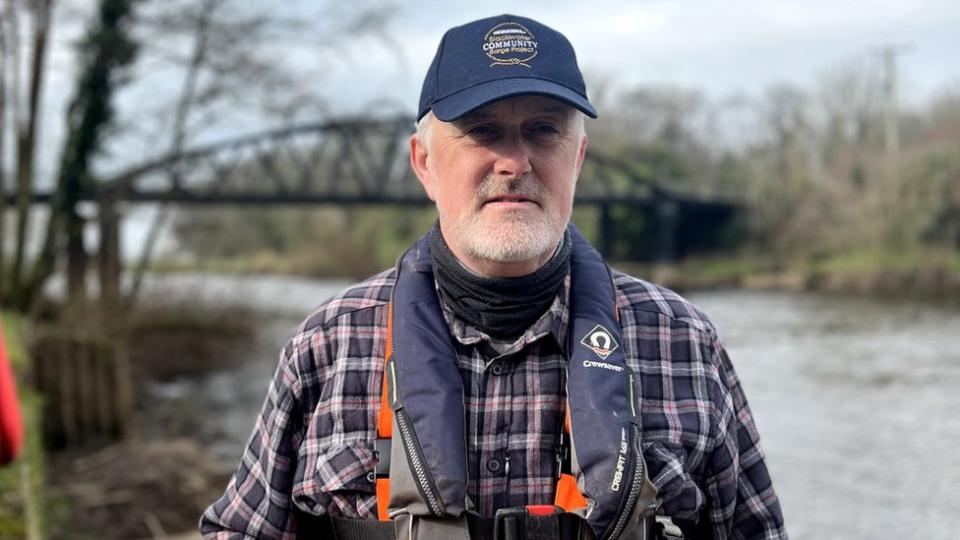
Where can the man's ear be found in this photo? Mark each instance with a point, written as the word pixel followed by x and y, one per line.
pixel 581 153
pixel 418 162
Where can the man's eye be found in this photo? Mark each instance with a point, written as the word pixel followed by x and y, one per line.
pixel 482 130
pixel 544 129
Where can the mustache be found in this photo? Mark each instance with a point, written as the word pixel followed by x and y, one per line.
pixel 526 186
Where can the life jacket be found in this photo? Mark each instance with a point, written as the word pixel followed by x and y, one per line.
pixel 421 427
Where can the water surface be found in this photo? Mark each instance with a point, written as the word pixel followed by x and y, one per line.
pixel 856 400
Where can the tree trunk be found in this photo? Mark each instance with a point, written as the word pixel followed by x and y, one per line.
pixel 4 55
pixel 77 258
pixel 27 135
pixel 109 254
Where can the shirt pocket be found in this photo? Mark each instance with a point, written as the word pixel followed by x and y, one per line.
pixel 344 479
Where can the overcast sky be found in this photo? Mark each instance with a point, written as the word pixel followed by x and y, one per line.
pixel 722 48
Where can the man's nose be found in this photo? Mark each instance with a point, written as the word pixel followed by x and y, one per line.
pixel 513 157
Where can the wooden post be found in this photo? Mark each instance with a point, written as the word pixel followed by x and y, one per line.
pixel 666 212
pixel 606 231
pixel 77 258
pixel 109 255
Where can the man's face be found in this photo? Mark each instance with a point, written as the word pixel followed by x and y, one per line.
pixel 503 179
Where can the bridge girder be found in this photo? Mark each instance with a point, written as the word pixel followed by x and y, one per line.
pixel 344 161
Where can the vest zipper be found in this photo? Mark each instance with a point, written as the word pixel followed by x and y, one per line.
pixel 636 484
pixel 416 462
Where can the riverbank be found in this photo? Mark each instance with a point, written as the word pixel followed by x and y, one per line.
pixel 919 273
pixel 924 274
pixel 156 480
pixel 136 488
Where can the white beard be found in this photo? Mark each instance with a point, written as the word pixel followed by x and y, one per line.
pixel 508 237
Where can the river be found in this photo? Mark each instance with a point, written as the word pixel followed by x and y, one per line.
pixel 857 400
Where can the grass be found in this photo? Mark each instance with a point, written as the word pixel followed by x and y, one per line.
pixel 909 260
pixel 701 272
pixel 913 272
pixel 21 483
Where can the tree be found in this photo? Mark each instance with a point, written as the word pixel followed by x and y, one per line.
pixel 20 129
pixel 230 61
pixel 105 51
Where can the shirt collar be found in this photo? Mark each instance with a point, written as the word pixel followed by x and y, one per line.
pixel 553 323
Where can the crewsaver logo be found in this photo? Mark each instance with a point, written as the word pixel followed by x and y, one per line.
pixel 600 341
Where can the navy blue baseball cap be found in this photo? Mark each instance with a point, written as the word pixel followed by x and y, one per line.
pixel 499 57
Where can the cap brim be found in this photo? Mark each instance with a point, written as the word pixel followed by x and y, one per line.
pixel 456 105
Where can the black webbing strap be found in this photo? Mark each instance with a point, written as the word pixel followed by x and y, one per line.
pixel 515 524
pixel 362 529
pixel 563 455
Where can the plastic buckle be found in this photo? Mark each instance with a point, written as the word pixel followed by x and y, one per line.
pixel 512 523
pixel 509 523
pixel 382 454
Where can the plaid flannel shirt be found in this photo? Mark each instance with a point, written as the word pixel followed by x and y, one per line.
pixel 312 446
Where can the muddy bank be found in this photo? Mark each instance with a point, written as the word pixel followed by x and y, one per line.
pixel 132 489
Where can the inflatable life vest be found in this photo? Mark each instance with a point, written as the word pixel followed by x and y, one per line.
pixel 421 423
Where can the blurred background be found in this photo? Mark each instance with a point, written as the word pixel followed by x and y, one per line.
pixel 184 180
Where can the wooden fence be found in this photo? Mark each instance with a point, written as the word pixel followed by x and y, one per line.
pixel 86 385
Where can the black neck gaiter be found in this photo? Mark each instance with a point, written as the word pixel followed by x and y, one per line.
pixel 501 307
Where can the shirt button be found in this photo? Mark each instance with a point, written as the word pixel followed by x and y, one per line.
pixel 371 477
pixel 497 369
pixel 493 465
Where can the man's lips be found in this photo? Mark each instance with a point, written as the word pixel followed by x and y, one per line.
pixel 510 199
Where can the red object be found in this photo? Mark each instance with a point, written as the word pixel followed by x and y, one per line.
pixel 11 426
pixel 542 509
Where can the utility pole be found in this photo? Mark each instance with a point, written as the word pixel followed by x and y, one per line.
pixel 891 124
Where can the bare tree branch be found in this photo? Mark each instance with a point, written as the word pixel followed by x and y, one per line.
pixel 184 105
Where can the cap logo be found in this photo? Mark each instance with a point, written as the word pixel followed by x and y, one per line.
pixel 600 341
pixel 510 44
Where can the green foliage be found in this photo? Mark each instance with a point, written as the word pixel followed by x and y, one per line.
pixel 329 242
pixel 21 483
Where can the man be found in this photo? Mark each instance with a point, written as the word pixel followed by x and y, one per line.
pixel 521 370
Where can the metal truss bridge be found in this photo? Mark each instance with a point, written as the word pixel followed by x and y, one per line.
pixel 365 162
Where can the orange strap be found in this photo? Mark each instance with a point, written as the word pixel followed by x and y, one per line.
pixel 385 419
pixel 568 495
pixel 383 498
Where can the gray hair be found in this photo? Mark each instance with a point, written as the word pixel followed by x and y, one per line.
pixel 423 129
